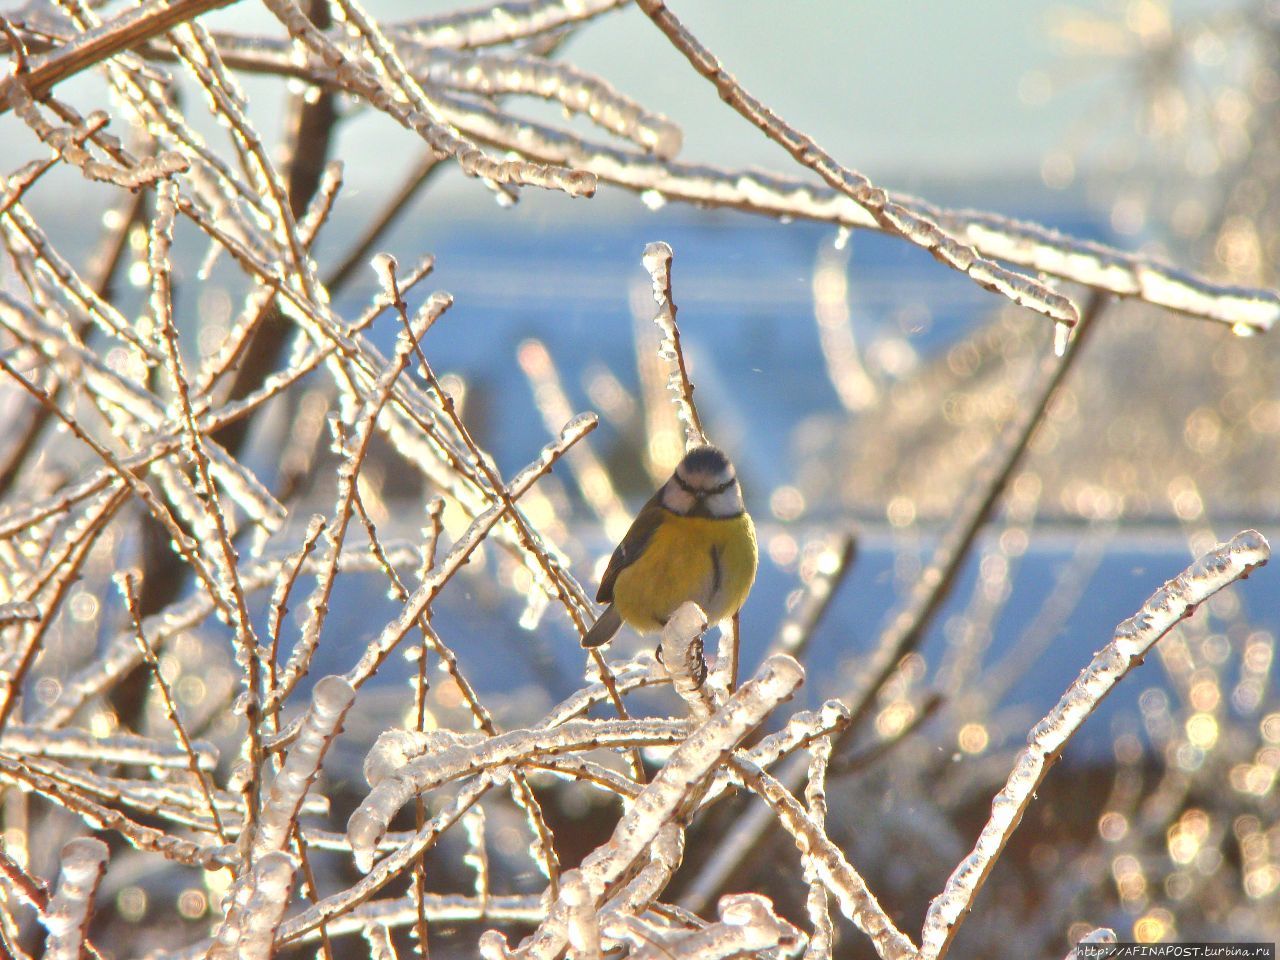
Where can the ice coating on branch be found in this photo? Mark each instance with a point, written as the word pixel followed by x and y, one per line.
pixel 681 647
pixel 504 22
pixel 353 452
pixel 330 701
pixel 1133 639
pixel 829 863
pixel 494 74
pixel 387 85
pixel 67 917
pixel 582 926
pixel 384 267
pixel 665 855
pixel 19 611
pixel 1122 273
pixel 464 545
pixel 393 749
pixel 1026 244
pixel 121 654
pixel 747 924
pixel 451 756
pixel 657 261
pixel 256 909
pixel 671 795
pixel 378 936
pixel 119 748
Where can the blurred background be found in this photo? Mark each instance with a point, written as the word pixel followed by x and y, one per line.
pixel 859 386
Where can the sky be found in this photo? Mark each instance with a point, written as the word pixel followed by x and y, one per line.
pixel 903 91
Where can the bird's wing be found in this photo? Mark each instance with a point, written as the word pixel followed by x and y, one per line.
pixel 632 545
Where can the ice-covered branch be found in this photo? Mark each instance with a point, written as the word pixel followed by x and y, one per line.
pixel 129 29
pixel 404 763
pixel 504 22
pixel 657 260
pixel 393 91
pixel 257 906
pixel 841 879
pixel 117 748
pixel 465 545
pixel 282 800
pixel 1023 243
pixel 891 216
pixel 747 924
pixel 1133 639
pixel 67 917
pixel 681 647
pixel 671 796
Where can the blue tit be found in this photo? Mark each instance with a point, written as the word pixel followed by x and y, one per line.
pixel 693 540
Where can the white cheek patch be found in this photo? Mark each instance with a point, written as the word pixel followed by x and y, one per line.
pixel 677 500
pixel 726 503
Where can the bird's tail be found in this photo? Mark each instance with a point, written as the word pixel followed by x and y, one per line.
pixel 604 628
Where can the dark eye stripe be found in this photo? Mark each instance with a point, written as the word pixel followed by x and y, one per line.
pixel 695 492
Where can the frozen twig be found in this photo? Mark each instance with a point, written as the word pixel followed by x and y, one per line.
pixel 907 625
pixel 463 547
pixel 582 925
pixel 378 936
pixel 178 849
pixel 575 90
pixel 18 611
pixel 747 924
pixel 67 917
pixel 657 260
pixel 387 869
pixel 1104 269
pixel 282 800
pixel 681 647
pixel 68 142
pixel 256 909
pixel 841 879
pixel 404 764
pixel 671 796
pixel 395 92
pixel 129 29
pixel 348 477
pixel 170 706
pixel 1133 639
pixel 503 22
pixel 822 940
pixel 892 217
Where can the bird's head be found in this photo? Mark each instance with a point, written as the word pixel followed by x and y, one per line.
pixel 704 484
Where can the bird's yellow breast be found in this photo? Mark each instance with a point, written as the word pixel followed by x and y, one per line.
pixel 709 561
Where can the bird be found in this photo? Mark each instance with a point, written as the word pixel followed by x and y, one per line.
pixel 693 540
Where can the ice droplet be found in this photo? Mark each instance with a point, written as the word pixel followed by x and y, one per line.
pixel 653 199
pixel 1244 330
pixel 842 238
pixel 1061 337
pixel 656 255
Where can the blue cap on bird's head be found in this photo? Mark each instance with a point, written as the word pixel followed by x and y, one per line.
pixel 705 468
